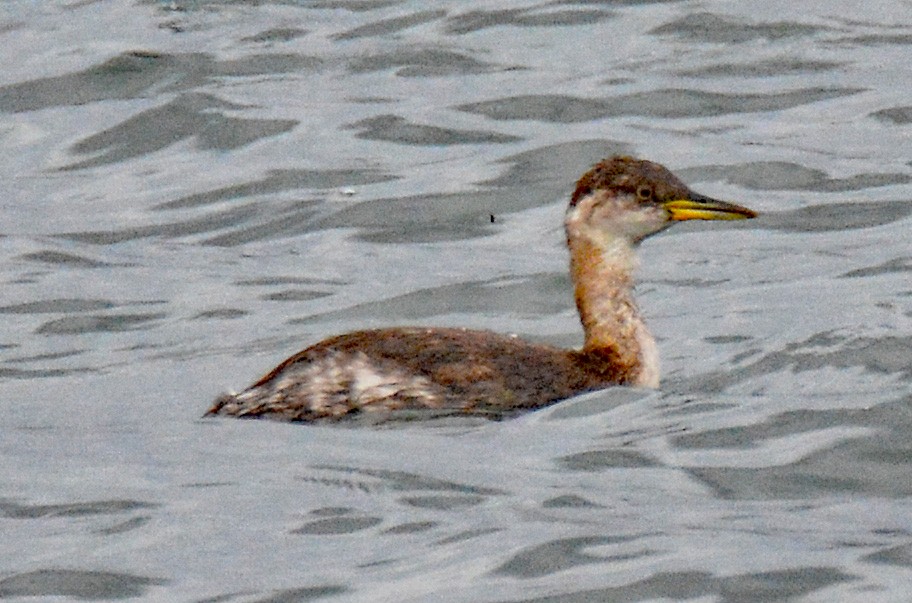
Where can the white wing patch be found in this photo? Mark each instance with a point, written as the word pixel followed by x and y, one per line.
pixel 334 385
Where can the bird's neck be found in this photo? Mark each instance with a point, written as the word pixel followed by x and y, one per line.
pixel 602 272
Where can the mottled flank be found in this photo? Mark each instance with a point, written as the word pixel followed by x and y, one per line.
pixel 478 372
pixel 616 204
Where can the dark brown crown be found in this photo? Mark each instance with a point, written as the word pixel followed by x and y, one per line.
pixel 625 174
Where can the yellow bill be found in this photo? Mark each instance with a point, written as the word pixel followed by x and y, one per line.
pixel 698 207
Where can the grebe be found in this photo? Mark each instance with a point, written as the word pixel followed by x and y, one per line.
pixel 616 204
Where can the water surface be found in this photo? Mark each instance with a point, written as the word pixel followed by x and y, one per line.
pixel 196 189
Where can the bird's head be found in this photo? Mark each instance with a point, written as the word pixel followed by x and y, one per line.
pixel 629 199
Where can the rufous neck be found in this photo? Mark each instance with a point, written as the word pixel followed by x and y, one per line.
pixel 602 272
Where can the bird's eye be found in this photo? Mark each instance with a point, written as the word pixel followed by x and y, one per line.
pixel 644 193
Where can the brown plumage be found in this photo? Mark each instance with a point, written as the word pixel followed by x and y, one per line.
pixel 615 205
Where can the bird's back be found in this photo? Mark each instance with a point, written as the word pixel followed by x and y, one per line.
pixel 450 370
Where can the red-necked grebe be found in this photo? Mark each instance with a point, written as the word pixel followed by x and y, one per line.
pixel 616 204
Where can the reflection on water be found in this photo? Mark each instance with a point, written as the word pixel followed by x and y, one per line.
pixel 210 186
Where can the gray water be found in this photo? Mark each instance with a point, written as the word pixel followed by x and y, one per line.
pixel 194 190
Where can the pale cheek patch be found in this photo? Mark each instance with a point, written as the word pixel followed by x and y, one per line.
pixel 603 219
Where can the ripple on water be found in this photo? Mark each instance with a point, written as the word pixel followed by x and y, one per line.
pixel 176 221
